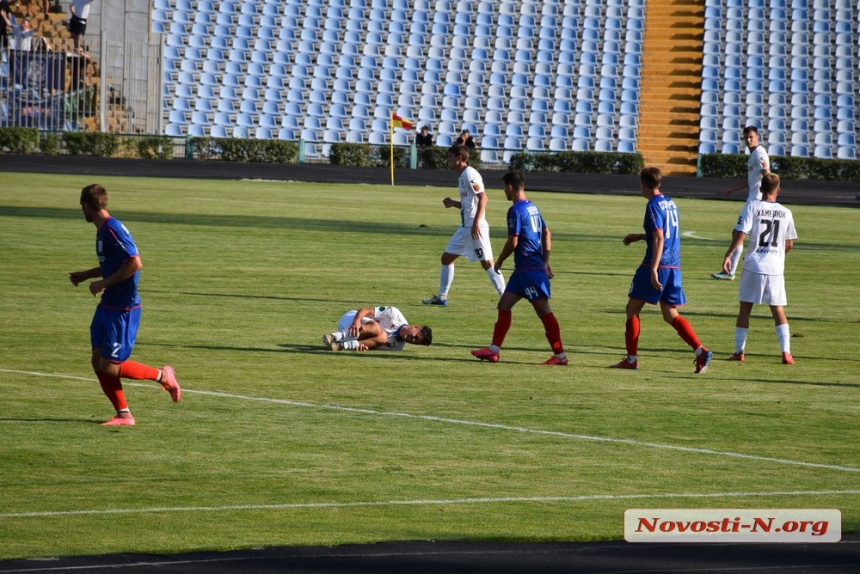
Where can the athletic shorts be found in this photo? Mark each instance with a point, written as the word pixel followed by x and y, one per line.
pixel 529 283
pixel 77 27
pixel 762 289
pixel 114 332
pixel 670 278
pixel 462 244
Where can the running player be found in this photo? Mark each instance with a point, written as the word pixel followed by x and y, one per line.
pixel 115 323
pixel 383 328
pixel 472 238
pixel 529 241
pixel 658 279
pixel 757 167
pixel 770 227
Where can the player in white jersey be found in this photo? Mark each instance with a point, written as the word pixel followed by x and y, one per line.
pixel 472 238
pixel 757 167
pixel 382 327
pixel 770 227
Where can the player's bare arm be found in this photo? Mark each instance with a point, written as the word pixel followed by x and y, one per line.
pixel 737 241
pixel 789 244
pixel 129 267
pixel 77 277
pixel 510 246
pixel 479 215
pixel 546 248
pixel 448 202
pixel 657 253
pixel 633 238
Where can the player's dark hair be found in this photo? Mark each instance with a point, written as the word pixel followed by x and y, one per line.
pixel 460 151
pixel 750 130
pixel 95 196
pixel 651 177
pixel 427 335
pixel 769 183
pixel 515 178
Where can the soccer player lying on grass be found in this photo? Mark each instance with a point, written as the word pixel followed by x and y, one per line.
pixel 658 279
pixel 772 234
pixel 383 328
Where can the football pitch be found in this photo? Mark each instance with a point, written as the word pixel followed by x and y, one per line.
pixel 279 441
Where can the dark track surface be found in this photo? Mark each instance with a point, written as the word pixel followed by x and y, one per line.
pixel 457 557
pixel 479 558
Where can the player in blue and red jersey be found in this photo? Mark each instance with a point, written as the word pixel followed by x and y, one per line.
pixel 529 241
pixel 658 279
pixel 115 323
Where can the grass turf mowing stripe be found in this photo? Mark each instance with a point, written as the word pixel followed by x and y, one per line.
pixel 480 424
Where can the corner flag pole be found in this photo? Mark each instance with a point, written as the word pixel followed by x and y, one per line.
pixel 391 146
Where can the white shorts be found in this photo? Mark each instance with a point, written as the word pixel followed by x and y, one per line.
pixel 348 318
pixel 762 289
pixel 476 250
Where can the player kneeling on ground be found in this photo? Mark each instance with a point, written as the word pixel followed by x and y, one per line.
pixel 382 328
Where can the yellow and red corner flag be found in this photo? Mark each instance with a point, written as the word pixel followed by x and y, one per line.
pixel 396 122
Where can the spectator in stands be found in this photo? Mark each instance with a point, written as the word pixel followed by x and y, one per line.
pixel 80 10
pixel 424 137
pixel 5 24
pixel 466 139
pixel 26 38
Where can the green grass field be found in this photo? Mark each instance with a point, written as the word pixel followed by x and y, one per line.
pixel 278 441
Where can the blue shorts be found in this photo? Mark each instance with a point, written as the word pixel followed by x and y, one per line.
pixel 670 278
pixel 114 332
pixel 529 283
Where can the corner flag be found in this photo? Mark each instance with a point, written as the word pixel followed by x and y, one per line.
pixel 396 122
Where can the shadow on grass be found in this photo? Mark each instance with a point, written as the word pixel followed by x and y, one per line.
pixel 763 316
pixel 48 420
pixel 334 226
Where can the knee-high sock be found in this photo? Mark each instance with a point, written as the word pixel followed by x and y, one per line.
pixel 553 333
pixel 631 336
pixel 132 370
pixel 446 277
pixel 740 339
pixel 736 257
pixel 112 388
pixel 497 280
pixel 784 337
pixel 503 323
pixel 685 330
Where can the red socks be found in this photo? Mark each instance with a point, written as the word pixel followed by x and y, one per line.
pixel 631 336
pixel 503 323
pixel 553 333
pixel 132 370
pixel 112 389
pixel 685 330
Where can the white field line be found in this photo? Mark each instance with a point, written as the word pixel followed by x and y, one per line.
pixel 480 424
pixel 692 235
pixel 427 502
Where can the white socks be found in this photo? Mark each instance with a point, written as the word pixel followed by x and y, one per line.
pixel 497 280
pixel 740 339
pixel 736 257
pixel 784 337
pixel 782 333
pixel 446 277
